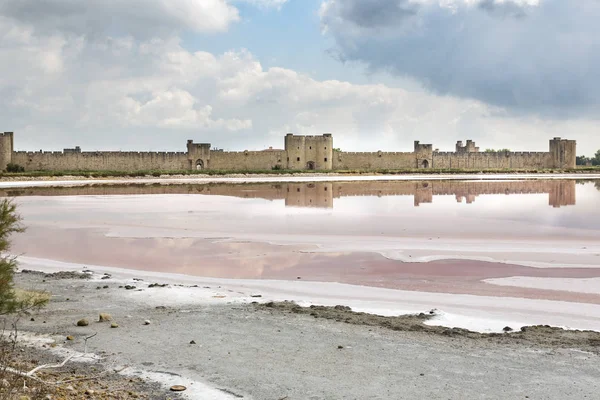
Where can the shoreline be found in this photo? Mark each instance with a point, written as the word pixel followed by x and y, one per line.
pixel 466 311
pixel 206 339
pixel 21 182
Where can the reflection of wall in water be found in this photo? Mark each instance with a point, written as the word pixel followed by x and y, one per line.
pixel 322 194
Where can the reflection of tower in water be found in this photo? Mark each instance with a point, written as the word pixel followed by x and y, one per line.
pixel 318 195
pixel 321 195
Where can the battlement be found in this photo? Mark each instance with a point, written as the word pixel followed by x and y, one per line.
pixel 325 135
pixel 376 153
pixel 313 152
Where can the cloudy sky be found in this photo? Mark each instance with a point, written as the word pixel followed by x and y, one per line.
pixel 378 74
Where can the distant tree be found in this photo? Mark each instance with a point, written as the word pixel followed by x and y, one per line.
pixel 596 159
pixel 337 149
pixel 497 151
pixel 582 160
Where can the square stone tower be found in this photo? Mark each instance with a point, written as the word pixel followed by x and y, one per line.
pixel 309 152
pixel 563 153
pixel 6 149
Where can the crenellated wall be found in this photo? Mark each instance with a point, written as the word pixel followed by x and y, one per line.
pixel 247 160
pixel 300 153
pixel 378 160
pixel 101 161
pixel 499 160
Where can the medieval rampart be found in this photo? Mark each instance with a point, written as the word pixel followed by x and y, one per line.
pixel 493 160
pixel 378 160
pixel 300 153
pixel 100 161
pixel 248 160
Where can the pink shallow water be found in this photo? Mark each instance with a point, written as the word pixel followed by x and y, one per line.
pixel 328 232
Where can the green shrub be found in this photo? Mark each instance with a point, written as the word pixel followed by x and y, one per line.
pixel 10 302
pixel 14 168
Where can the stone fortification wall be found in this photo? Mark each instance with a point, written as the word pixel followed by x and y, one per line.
pixel 247 160
pixel 378 160
pixel 101 161
pixel 500 160
pixel 301 153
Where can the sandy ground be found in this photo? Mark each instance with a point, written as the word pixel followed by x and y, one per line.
pixel 249 351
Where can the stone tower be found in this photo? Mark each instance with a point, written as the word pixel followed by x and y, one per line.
pixel 424 155
pixel 6 149
pixel 198 155
pixel 563 153
pixel 309 152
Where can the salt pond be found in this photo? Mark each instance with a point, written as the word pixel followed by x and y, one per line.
pixel 535 243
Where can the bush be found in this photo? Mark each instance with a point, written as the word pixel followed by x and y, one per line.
pixel 14 168
pixel 10 222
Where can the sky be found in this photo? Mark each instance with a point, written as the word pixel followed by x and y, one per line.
pixel 240 74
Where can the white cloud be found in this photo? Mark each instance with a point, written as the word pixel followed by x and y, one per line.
pixel 133 92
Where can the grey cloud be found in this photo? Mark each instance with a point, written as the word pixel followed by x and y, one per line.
pixel 544 61
pixel 376 13
pixel 140 18
pixel 504 9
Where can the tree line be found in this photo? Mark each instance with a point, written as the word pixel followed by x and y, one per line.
pixel 583 160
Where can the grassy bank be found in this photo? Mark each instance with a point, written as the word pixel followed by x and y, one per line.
pixel 159 173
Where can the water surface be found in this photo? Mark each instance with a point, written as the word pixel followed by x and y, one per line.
pixel 437 236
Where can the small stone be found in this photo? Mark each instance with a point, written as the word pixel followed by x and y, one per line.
pixel 256 295
pixel 147 322
pixel 105 287
pixel 89 392
pixel 32 319
pixel 114 325
pixel 104 317
pixel 70 388
pixel 70 337
pixel 129 287
pixel 340 347
pixel 83 322
pixel 422 374
pixel 193 342
pixel 178 388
